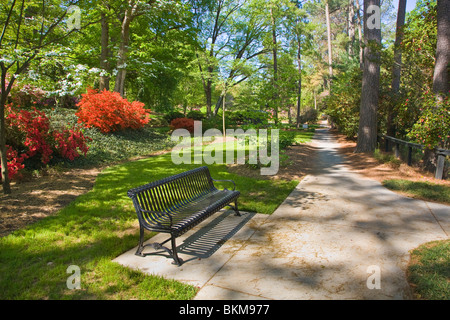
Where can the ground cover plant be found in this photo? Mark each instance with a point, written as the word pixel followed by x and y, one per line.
pixel 113 146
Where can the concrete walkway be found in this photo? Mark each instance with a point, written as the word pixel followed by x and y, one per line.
pixel 337 236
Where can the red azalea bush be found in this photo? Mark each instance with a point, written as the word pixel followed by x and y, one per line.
pixel 109 112
pixel 15 163
pixel 184 123
pixel 29 134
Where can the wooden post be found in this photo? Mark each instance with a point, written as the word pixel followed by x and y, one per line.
pixel 440 166
pixel 409 155
pixel 397 150
pixel 386 143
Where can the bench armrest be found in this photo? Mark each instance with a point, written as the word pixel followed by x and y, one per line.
pixel 234 184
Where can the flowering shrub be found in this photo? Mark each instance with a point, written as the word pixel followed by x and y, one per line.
pixel 29 133
pixel 70 142
pixel 14 162
pixel 109 112
pixel 184 123
pixel 31 130
pixel 433 127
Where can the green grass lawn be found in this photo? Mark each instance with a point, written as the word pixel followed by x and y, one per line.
pixel 100 225
pixel 420 189
pixel 429 271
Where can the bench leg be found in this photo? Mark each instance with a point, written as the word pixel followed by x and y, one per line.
pixel 176 260
pixel 235 208
pixel 159 246
pixel 141 243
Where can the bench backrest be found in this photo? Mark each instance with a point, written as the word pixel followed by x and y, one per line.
pixel 168 194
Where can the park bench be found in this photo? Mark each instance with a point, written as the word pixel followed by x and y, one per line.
pixel 177 203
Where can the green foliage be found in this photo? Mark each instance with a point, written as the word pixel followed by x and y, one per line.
pixel 343 104
pixel 308 115
pixel 196 115
pixel 249 117
pixel 418 51
pixel 433 127
pixel 169 116
pixel 212 123
pixel 112 147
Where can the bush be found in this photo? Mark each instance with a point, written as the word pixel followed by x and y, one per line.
pixel 212 123
pixel 27 96
pixel 248 117
pixel 432 129
pixel 182 123
pixel 109 112
pixel 173 115
pixel 196 115
pixel 29 134
pixel 15 163
pixel 309 115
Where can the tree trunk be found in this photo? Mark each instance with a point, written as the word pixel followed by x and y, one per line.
pixel 5 90
pixel 367 131
pixel 351 27
pixel 130 13
pixel 104 64
pixel 122 54
pixel 299 93
pixel 208 92
pixel 441 77
pixel 330 54
pixel 3 158
pixel 396 68
pixel 275 67
pixel 361 47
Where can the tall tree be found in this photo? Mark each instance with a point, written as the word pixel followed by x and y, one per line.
pixel 397 65
pixel 299 32
pixel 351 26
pixel 367 130
pixel 330 52
pixel 104 55
pixel 273 21
pixel 360 36
pixel 132 10
pixel 214 37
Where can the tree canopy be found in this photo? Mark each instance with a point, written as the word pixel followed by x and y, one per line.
pixel 283 57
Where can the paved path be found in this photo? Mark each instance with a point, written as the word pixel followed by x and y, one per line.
pixel 334 232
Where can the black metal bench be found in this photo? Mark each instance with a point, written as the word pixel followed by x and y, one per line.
pixel 176 204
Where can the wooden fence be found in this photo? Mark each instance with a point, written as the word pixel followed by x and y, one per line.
pixel 440 153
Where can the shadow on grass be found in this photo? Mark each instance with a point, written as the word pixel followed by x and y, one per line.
pixel 98 226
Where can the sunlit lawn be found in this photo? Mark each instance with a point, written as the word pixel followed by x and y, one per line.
pixel 100 225
pixel 420 189
pixel 429 271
